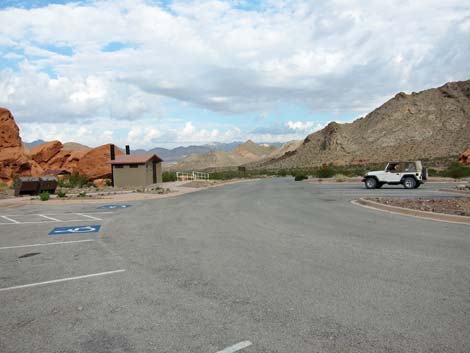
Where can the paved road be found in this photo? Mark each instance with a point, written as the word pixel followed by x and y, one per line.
pixel 289 266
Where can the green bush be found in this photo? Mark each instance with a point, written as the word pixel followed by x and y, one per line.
pixel 326 172
pixel 340 178
pixel 300 177
pixel 433 172
pixel 282 173
pixel 44 196
pixel 73 180
pixel 61 193
pixel 456 171
pixel 109 182
pixel 169 176
pixel 82 194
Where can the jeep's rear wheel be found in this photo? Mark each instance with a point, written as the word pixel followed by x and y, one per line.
pixel 409 183
pixel 371 183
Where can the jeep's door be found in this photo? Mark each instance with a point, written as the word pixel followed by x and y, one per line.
pixel 393 173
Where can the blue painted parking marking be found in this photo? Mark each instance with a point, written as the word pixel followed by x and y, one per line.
pixel 112 207
pixel 75 229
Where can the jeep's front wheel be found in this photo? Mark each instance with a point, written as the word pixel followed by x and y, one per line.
pixel 371 183
pixel 409 183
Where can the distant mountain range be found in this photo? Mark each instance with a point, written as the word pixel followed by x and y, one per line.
pixel 216 158
pixel 35 143
pixel 169 155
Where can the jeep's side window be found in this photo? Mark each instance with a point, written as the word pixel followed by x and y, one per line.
pixel 410 167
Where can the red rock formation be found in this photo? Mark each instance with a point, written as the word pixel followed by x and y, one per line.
pixel 43 153
pixel 13 159
pixel 464 158
pixel 67 160
pixel 9 132
pixel 95 163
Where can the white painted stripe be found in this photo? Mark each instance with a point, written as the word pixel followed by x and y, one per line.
pixel 236 347
pixel 46 244
pixel 92 217
pixel 61 280
pixel 55 214
pixel 50 218
pixel 10 219
pixel 42 222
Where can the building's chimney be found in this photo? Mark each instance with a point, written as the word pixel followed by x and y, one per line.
pixel 111 152
pixel 128 150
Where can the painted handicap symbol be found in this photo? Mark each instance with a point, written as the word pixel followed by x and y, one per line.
pixel 76 229
pixel 112 207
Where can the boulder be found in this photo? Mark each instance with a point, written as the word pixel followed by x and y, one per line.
pixel 43 153
pixel 9 131
pixel 95 164
pixel 67 160
pixel 14 161
pixel 101 183
pixel 464 158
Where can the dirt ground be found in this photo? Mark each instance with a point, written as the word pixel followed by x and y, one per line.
pixel 455 206
pixel 201 183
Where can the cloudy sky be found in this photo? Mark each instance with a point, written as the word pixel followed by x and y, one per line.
pixel 167 73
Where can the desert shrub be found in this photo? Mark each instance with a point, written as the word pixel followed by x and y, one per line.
pixel 300 177
pixel 282 173
pixel 340 178
pixel 73 180
pixel 44 196
pixel 326 172
pixel 168 176
pixel 432 172
pixel 82 194
pixel 3 185
pixel 456 171
pixel 61 193
pixel 109 182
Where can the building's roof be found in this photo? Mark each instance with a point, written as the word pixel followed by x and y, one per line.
pixel 139 158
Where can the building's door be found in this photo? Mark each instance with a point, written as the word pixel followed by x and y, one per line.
pixel 154 165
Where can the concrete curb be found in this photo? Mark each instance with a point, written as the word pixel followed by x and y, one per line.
pixel 460 192
pixel 439 217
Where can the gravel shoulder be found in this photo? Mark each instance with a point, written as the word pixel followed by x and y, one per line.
pixel 459 206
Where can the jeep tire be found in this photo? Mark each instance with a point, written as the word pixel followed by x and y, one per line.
pixel 409 182
pixel 371 183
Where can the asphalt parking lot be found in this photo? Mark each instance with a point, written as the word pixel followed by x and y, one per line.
pixel 265 266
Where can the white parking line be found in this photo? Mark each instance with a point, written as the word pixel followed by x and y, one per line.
pixel 92 217
pixel 48 217
pixel 61 280
pixel 236 347
pixel 46 244
pixel 9 219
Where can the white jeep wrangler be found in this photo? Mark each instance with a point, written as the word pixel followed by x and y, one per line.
pixel 410 174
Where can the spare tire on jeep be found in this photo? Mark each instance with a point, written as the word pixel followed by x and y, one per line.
pixel 424 173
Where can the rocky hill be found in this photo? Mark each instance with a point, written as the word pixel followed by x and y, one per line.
pixel 244 153
pixel 74 146
pixel 430 124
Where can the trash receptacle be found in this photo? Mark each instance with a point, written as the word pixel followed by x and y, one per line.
pixel 26 185
pixel 47 183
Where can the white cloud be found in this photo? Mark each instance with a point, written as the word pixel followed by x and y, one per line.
pixel 300 125
pixel 337 56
